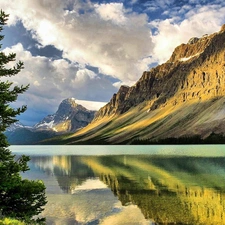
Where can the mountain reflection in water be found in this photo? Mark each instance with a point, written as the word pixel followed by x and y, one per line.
pixel 167 190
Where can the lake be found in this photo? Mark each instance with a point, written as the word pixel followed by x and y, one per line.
pixel 112 185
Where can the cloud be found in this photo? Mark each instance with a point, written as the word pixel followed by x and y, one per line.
pixel 91 105
pixel 51 81
pixel 111 37
pixel 111 11
pixel 156 5
pixel 106 36
pixel 132 2
pixel 195 22
pixel 119 42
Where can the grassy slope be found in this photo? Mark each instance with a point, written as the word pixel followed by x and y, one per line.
pixel 187 119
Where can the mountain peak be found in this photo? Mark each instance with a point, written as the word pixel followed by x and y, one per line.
pixel 194 71
pixel 192 49
pixel 222 28
pixel 182 97
pixel 69 101
pixel 69 117
pixel 193 40
pixel 17 125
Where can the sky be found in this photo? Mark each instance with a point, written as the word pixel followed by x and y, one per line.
pixel 87 49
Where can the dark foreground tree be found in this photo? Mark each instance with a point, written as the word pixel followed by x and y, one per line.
pixel 19 198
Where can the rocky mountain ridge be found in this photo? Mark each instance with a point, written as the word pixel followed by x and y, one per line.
pixel 184 96
pixel 190 71
pixel 69 117
pixel 17 125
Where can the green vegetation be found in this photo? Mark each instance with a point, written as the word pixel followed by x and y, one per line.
pixel 8 221
pixel 19 199
pixel 24 136
pixel 213 138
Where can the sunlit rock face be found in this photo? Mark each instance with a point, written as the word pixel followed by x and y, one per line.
pixel 70 116
pixel 183 97
pixel 194 71
pixel 116 103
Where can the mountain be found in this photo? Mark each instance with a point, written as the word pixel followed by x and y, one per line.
pixel 27 136
pixel 181 98
pixel 69 117
pixel 17 125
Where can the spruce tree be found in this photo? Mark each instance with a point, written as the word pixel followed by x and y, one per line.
pixel 19 198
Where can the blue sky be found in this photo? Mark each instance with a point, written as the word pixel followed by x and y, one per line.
pixel 87 49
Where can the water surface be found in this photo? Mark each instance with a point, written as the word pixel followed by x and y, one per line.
pixel 130 184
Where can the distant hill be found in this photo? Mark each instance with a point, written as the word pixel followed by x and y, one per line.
pixel 180 99
pixel 24 136
pixel 69 117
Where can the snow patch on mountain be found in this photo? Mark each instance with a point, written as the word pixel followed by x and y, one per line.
pixel 17 125
pixel 187 58
pixel 70 116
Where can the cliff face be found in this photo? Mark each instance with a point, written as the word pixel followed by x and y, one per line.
pixel 116 103
pixel 194 71
pixel 69 117
pixel 184 96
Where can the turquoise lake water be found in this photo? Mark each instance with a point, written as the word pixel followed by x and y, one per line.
pixel 164 184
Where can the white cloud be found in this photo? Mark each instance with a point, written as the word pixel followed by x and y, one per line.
pixel 133 2
pixel 164 3
pixel 48 30
pixel 91 105
pixel 51 81
pixel 36 83
pixel 105 36
pixel 111 11
pixel 197 22
pixel 110 37
pixel 117 84
pixel 156 5
pixel 84 74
